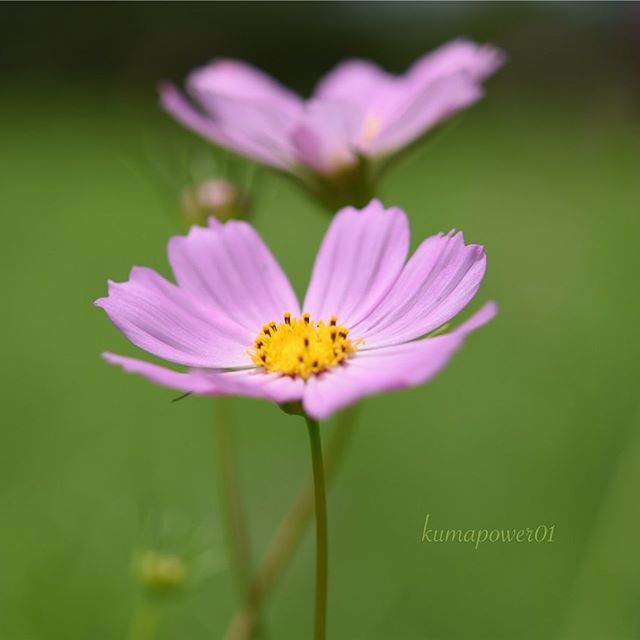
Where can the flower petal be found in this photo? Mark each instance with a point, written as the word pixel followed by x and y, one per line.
pixel 416 113
pixel 325 134
pixel 175 103
pixel 249 382
pixel 478 61
pixel 360 258
pixel 439 280
pixel 436 86
pixel 397 367
pixel 357 81
pixel 170 323
pixel 238 79
pixel 254 130
pixel 230 267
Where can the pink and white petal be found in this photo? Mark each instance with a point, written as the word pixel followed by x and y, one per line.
pixel 476 60
pixel 230 267
pixel 238 79
pixel 172 324
pixel 398 367
pixel 439 280
pixel 360 258
pixel 416 114
pixel 248 382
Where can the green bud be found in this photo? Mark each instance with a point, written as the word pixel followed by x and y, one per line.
pixel 161 573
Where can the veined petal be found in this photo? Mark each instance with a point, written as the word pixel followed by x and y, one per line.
pixel 359 260
pixel 230 267
pixel 439 280
pixel 170 323
pixel 248 382
pixel 398 367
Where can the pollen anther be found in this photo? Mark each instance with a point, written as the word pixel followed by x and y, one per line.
pixel 300 347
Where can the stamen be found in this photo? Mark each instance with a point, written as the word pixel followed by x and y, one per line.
pixel 299 347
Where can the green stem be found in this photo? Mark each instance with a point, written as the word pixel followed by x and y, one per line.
pixel 291 530
pixel 144 623
pixel 236 531
pixel 321 529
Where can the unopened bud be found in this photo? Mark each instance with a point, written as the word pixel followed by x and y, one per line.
pixel 161 573
pixel 216 197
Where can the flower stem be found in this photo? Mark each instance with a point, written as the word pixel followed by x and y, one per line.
pixel 236 531
pixel 144 623
pixel 321 529
pixel 292 528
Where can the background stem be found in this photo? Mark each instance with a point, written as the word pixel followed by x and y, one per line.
pixel 236 531
pixel 292 528
pixel 145 620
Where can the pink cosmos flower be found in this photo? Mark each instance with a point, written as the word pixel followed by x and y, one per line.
pixel 234 321
pixel 357 111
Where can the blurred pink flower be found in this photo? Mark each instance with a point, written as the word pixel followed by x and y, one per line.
pixel 357 110
pixel 235 322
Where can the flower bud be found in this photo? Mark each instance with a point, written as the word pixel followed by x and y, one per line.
pixel 161 573
pixel 218 197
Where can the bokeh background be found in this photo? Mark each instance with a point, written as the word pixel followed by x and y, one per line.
pixel 536 421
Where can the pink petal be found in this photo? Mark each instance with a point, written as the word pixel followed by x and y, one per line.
pixel 438 85
pixel 256 131
pixel 174 102
pixel 360 258
pixel 249 382
pixel 397 367
pixel 477 61
pixel 325 134
pixel 439 280
pixel 413 116
pixel 259 129
pixel 238 79
pixel 360 82
pixel 170 323
pixel 230 268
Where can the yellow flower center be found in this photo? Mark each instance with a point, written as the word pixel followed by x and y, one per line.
pixel 300 347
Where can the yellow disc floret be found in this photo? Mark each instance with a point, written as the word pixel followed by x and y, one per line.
pixel 300 347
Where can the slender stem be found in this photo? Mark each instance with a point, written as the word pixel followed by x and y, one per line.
pixel 144 623
pixel 593 611
pixel 291 531
pixel 321 529
pixel 236 531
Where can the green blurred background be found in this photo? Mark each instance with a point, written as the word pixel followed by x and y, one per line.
pixel 535 422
